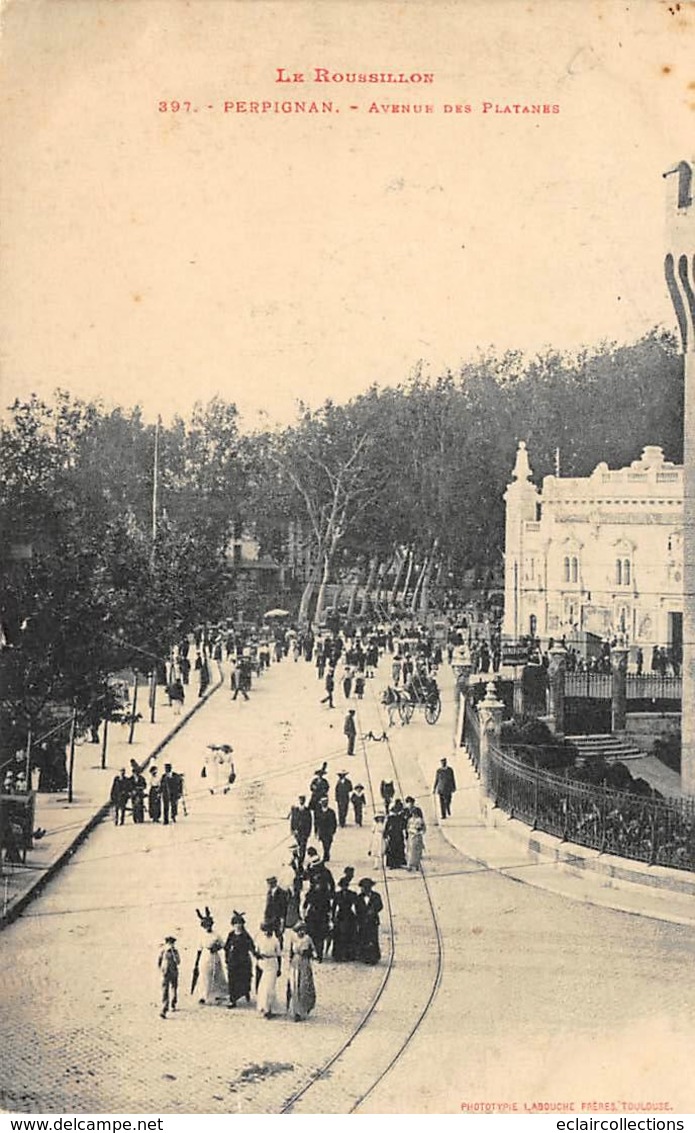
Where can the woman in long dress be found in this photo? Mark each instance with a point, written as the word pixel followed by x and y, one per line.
pixel 268 953
pixel 154 801
pixel 301 990
pixel 238 950
pixel 416 841
pixel 212 984
pixel 369 906
pixel 394 837
pixel 376 844
pixel 344 922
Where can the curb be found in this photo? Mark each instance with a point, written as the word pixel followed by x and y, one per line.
pixel 576 858
pixel 18 906
pixel 615 875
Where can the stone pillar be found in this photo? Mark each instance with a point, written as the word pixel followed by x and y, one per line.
pixel 462 677
pixel 519 697
pixel 556 685
pixel 679 270
pixel 619 655
pixel 490 716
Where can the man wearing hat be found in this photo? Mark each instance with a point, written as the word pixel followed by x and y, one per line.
pixel 170 787
pixel 444 787
pixel 326 826
pixel 300 827
pixel 411 809
pixel 120 793
pixel 318 901
pixel 358 803
pixel 342 796
pixel 329 685
pixel 350 730
pixel 319 788
pixel 169 961
pixel 275 907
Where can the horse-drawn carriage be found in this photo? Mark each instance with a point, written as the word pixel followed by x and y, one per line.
pixel 421 692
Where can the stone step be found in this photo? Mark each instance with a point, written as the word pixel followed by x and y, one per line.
pixel 610 748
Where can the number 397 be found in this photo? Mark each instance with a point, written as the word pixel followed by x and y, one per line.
pixel 173 107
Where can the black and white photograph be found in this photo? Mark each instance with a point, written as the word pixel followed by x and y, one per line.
pixel 347 560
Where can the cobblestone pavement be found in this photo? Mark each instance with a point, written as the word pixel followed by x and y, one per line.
pixel 80 992
pixel 61 820
pixel 539 995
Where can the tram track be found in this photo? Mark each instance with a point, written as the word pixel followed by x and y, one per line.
pixel 366 1051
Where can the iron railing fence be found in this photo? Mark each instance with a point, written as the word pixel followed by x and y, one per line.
pixel 647 686
pixel 593 686
pixel 471 733
pixel 648 829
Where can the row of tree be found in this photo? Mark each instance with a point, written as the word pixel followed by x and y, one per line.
pixel 396 494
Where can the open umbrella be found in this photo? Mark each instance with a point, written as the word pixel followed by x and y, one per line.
pixel 276 614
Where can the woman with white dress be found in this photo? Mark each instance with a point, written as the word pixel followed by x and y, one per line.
pixel 376 844
pixel 301 990
pixel 268 954
pixel 209 973
pixel 415 844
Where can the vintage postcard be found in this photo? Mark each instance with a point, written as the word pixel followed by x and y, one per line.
pixel 336 292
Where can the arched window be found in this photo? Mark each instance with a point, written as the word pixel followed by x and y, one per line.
pixel 567 569
pixel 626 572
pixel 618 572
pixel 575 569
pixel 532 625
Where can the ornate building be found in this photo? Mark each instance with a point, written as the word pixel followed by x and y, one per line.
pixel 601 555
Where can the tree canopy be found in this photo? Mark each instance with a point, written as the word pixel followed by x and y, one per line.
pixel 399 491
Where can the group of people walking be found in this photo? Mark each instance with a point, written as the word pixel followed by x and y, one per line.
pixel 224 969
pixel 398 836
pixel 160 798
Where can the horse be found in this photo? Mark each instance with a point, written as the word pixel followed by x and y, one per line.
pixel 392 699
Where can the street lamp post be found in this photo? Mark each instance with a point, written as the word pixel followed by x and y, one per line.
pixel 71 762
pixel 104 742
pixel 134 708
pixel 153 694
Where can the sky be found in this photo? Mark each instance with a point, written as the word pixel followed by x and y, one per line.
pixel 161 258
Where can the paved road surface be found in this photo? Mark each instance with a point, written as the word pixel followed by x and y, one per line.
pixel 540 998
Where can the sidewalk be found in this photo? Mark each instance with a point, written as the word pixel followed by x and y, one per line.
pixel 487 836
pixel 68 824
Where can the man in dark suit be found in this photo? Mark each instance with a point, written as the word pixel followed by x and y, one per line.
pixel 350 730
pixel 300 827
pixel 275 907
pixel 120 794
pixel 330 686
pixel 326 826
pixel 319 788
pixel 170 786
pixel 342 796
pixel 444 787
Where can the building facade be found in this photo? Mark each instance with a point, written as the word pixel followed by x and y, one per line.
pixel 598 555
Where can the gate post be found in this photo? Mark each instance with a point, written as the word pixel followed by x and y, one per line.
pixel 490 715
pixel 619 686
pixel 556 685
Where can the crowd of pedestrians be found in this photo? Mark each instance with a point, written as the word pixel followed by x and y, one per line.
pixel 309 913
